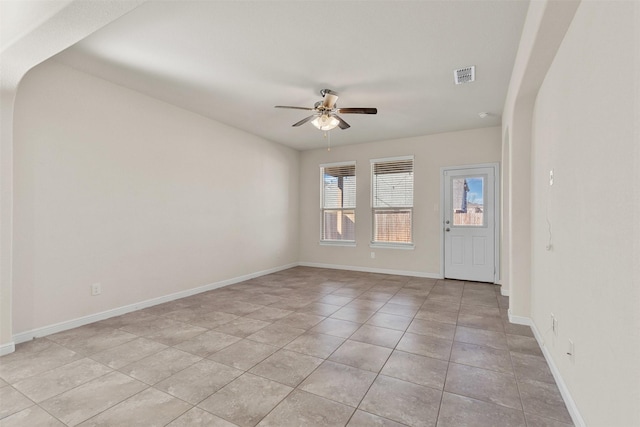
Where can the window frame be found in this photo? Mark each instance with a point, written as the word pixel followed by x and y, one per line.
pixel 388 244
pixel 331 242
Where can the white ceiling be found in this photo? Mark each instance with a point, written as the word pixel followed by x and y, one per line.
pixel 233 61
pixel 19 17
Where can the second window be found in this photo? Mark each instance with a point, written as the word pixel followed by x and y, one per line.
pixel 392 200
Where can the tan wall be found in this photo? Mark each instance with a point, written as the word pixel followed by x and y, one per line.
pixel 431 153
pixel 145 198
pixel 40 32
pixel 544 28
pixel 583 129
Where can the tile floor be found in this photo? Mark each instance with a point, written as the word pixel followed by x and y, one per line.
pixel 302 347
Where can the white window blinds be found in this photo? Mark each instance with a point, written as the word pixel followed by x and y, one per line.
pixel 392 199
pixel 338 202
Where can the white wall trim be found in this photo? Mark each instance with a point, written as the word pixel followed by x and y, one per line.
pixel 519 320
pixel 504 291
pixel 85 320
pixel 7 348
pixel 564 391
pixel 372 270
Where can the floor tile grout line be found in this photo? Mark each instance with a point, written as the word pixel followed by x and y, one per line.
pixel 485 401
pixel 53 416
pixel 327 359
pixel 247 372
pixel 278 404
pixel 376 311
pixel 22 394
pixel 30 407
pixel 73 388
pixel 383 365
pixel 178 416
pixel 115 404
pixel 515 377
pixel 444 385
pixel 49 370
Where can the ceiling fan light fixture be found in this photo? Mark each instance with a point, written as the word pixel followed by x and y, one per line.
pixel 325 122
pixel 324 115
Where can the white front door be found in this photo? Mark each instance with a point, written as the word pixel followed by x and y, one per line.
pixel 469 223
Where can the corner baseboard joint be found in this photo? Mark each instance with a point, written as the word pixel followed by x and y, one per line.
pixel 7 348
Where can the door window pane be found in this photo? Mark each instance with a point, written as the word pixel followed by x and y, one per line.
pixel 468 201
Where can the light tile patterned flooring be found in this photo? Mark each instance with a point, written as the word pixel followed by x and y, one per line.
pixel 301 347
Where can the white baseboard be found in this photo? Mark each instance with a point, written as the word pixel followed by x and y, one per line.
pixel 504 291
pixel 372 270
pixel 578 421
pixel 85 320
pixel 7 348
pixel 519 320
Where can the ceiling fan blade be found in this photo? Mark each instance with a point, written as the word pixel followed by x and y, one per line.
pixel 342 124
pixel 305 120
pixel 358 110
pixel 330 98
pixel 295 108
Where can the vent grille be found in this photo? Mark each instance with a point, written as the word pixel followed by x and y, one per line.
pixel 464 75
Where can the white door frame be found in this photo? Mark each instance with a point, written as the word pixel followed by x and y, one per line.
pixel 496 210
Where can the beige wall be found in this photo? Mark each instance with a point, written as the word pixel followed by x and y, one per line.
pixel 39 34
pixel 583 129
pixel 145 198
pixel 544 28
pixel 431 153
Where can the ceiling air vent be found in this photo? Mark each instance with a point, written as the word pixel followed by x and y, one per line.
pixel 464 75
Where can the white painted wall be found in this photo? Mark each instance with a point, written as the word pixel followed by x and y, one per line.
pixel 544 28
pixel 583 129
pixel 115 187
pixel 33 36
pixel 431 153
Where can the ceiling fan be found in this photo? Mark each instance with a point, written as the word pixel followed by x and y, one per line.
pixel 325 115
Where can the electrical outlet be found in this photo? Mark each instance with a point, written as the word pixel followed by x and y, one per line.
pixel 96 289
pixel 551 177
pixel 373 255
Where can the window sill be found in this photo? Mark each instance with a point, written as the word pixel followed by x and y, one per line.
pixel 337 243
pixel 404 246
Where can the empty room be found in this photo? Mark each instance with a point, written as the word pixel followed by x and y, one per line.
pixel 320 213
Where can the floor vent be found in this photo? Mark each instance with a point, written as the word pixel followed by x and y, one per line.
pixel 464 75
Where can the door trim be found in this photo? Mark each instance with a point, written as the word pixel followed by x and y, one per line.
pixel 496 210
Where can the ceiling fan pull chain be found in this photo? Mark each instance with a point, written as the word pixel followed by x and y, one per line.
pixel 327 136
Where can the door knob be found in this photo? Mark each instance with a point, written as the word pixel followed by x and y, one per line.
pixel 447 229
pixel 446 222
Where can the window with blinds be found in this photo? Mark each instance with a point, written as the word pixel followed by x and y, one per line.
pixel 338 202
pixel 392 200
